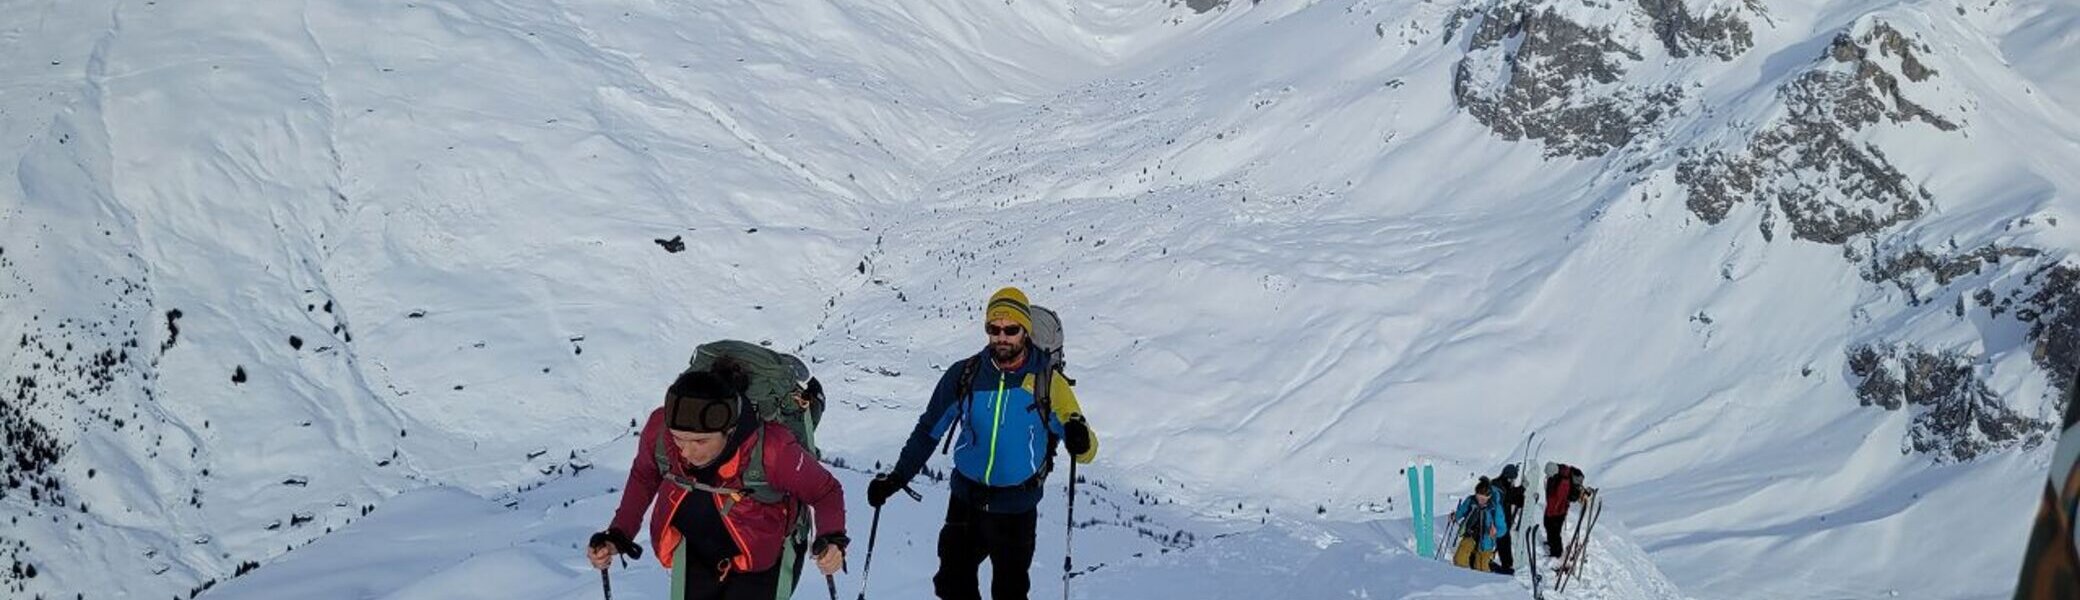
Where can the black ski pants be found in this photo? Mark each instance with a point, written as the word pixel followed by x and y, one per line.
pixel 972 535
pixel 1553 525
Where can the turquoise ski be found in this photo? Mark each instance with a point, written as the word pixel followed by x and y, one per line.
pixel 1419 514
pixel 1429 500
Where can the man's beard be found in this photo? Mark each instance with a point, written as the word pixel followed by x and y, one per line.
pixel 1004 352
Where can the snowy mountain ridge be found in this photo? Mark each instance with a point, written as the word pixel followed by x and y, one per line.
pixel 1790 280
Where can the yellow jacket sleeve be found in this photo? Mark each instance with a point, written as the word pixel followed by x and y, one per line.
pixel 1063 398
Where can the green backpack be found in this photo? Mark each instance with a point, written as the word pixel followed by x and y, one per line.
pixel 771 382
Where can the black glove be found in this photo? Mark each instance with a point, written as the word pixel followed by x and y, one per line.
pixel 881 488
pixel 1076 436
pixel 622 545
pixel 827 540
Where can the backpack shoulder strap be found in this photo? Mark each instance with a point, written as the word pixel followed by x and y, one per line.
pixel 662 455
pixel 1043 394
pixel 755 482
pixel 963 387
pixel 1043 401
pixel 1043 386
pixel 664 463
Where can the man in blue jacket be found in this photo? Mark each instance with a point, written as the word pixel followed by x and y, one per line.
pixel 1002 442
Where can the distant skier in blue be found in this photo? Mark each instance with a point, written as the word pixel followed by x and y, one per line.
pixel 1481 521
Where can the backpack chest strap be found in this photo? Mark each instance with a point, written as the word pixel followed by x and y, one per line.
pixel 751 466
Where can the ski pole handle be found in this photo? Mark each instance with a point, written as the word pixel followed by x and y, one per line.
pixel 619 541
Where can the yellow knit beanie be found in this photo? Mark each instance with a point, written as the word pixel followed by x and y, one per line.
pixel 1008 304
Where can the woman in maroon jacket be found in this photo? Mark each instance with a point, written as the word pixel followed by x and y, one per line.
pixel 722 538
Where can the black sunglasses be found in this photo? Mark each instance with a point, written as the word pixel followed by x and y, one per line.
pixel 1007 330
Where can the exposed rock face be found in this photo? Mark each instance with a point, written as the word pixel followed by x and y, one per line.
pixel 1876 90
pixel 1723 35
pixel 1533 72
pixel 1807 166
pixel 1586 80
pixel 1956 418
pixel 1530 73
pixel 2049 302
pixel 1919 265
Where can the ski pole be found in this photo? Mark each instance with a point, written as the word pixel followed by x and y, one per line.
pixel 1567 559
pixel 1595 514
pixel 1069 535
pixel 1449 535
pixel 817 550
pixel 622 547
pixel 874 533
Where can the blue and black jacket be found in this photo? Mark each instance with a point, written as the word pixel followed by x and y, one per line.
pixel 1476 526
pixel 1005 439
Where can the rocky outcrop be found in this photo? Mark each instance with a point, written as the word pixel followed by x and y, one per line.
pixel 1956 418
pixel 1530 73
pixel 2049 301
pixel 1533 71
pixel 1723 35
pixel 1909 270
pixel 1809 166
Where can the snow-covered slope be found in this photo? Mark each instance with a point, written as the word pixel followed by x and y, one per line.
pixel 1789 280
pixel 442 543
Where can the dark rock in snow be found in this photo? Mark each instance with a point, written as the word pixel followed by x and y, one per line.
pixel 1956 417
pixel 173 330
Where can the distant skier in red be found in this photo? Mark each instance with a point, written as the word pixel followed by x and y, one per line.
pixel 1563 487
